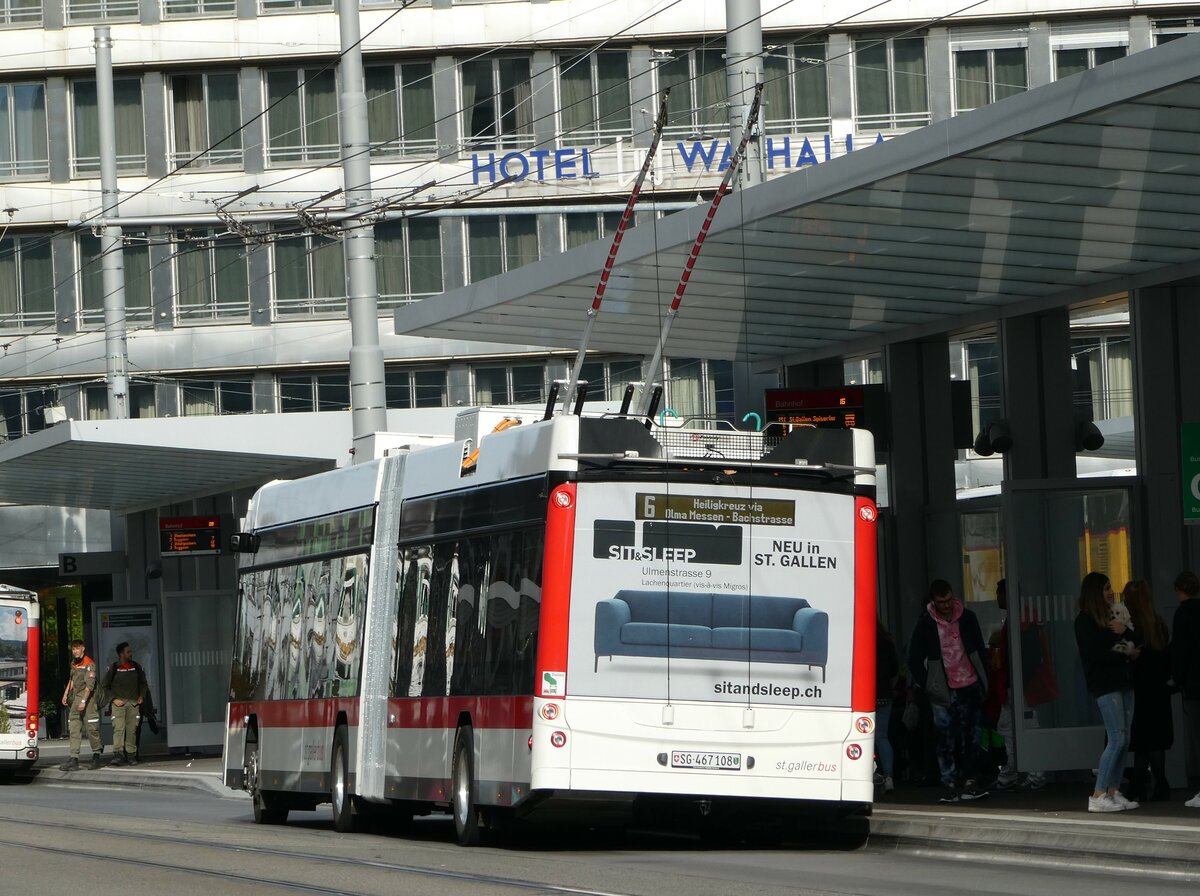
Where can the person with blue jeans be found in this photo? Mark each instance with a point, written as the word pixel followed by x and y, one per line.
pixel 945 659
pixel 1108 670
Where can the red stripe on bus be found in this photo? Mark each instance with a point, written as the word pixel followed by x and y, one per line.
pixel 445 712
pixel 295 713
pixel 862 691
pixel 33 653
pixel 556 584
pixel 417 712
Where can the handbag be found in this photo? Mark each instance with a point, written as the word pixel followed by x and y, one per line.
pixel 912 716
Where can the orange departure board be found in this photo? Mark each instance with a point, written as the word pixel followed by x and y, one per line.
pixel 182 536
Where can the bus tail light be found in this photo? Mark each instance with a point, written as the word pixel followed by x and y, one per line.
pixel 854 751
pixel 531 742
pixel 558 739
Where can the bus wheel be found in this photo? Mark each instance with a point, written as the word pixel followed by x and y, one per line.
pixel 462 803
pixel 339 790
pixel 266 803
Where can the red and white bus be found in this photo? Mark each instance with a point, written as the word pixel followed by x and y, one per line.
pixel 571 611
pixel 20 650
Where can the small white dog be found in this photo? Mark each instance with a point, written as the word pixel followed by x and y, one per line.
pixel 1117 610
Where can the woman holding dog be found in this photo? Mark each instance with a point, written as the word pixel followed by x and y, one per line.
pixel 1108 670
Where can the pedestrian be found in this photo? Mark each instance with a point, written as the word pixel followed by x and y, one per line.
pixel 1001 695
pixel 887 668
pixel 1152 732
pixel 83 713
pixel 945 659
pixel 1185 669
pixel 125 683
pixel 1108 671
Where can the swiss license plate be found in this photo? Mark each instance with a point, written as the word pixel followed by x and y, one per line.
pixel 721 762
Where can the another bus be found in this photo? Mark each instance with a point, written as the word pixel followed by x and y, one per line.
pixel 570 612
pixel 19 668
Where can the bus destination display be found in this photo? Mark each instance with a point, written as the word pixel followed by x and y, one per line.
pixel 183 536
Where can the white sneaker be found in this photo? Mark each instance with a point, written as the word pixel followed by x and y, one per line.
pixel 1194 802
pixel 888 784
pixel 1102 803
pixel 1124 802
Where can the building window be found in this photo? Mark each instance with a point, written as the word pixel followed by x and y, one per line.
pixel 580 228
pixel 23 148
pixel 143 402
pixel 400 116
pixel 323 392
pixel 208 397
pixel 136 253
pixel 310 275
pixel 698 388
pixel 497 103
pixel 1166 30
pixel 20 13
pixel 408 260
pixel 607 379
pixel 890 89
pixel 206 119
pixel 517 384
pixel 185 9
pixel 26 280
pixel 795 91
pixel 699 102
pixel 82 11
pixel 131 143
pixel 294 5
pixel 302 112
pixel 499 244
pixel 211 276
pixel 985 76
pixel 1069 62
pixel 594 97
pixel 24 410
pixel 415 388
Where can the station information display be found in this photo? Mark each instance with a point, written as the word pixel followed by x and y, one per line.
pixel 842 407
pixel 184 536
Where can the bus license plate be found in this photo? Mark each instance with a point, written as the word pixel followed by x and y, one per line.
pixel 721 762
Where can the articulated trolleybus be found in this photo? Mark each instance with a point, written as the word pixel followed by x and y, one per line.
pixel 20 649
pixel 566 613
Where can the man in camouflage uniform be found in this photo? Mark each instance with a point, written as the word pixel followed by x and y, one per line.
pixel 83 714
pixel 125 682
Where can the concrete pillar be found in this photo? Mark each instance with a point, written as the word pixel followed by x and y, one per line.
pixel 1035 363
pixel 921 523
pixel 1166 375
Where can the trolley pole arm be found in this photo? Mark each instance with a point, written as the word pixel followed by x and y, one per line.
pixel 690 264
pixel 593 312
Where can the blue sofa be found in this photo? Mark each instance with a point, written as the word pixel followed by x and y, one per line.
pixel 712 627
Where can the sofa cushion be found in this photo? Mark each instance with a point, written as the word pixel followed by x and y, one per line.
pixel 757 639
pixel 655 633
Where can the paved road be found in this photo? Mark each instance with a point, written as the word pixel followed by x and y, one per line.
pixel 151 841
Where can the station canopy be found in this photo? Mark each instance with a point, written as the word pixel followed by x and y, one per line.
pixel 1076 190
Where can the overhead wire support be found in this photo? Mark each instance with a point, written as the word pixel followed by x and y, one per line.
pixel 660 122
pixel 725 186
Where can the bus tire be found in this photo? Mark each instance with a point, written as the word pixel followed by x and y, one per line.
pixel 339 785
pixel 267 804
pixel 462 781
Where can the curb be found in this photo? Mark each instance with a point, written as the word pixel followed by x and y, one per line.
pixel 205 782
pixel 1109 841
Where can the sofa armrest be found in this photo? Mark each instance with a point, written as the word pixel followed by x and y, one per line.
pixel 610 616
pixel 813 628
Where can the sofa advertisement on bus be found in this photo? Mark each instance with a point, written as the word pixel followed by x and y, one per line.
pixel 730 595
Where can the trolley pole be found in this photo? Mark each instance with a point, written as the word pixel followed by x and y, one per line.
pixel 367 396
pixel 743 73
pixel 112 261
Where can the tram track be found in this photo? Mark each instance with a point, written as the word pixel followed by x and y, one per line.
pixel 324 859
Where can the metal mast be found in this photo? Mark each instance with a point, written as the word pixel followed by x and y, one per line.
pixel 743 72
pixel 367 395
